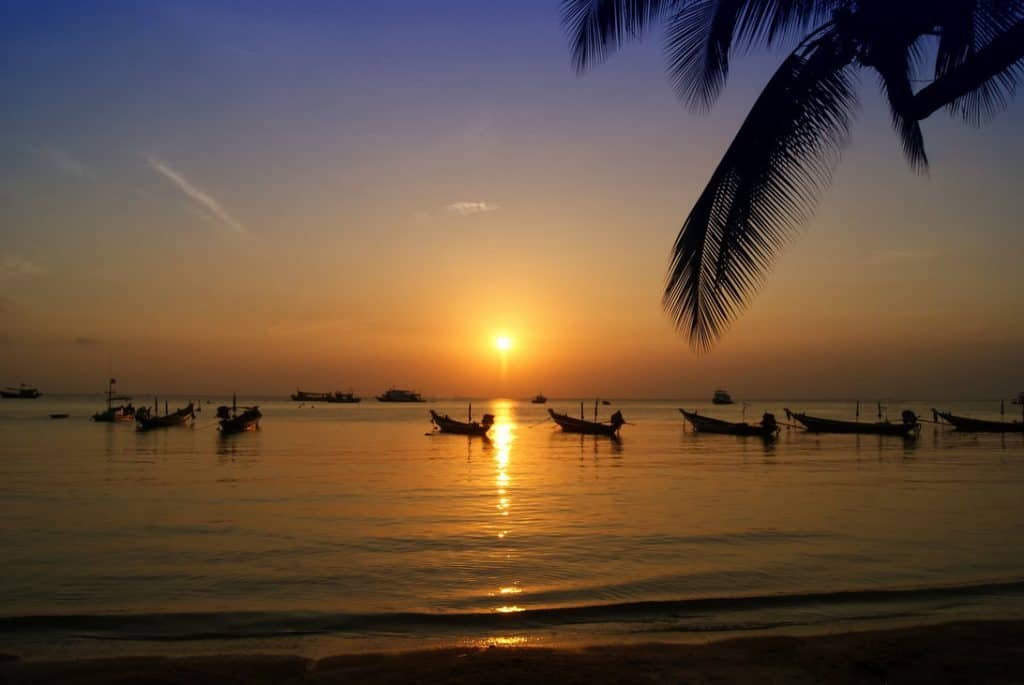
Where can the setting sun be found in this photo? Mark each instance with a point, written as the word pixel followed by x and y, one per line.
pixel 503 343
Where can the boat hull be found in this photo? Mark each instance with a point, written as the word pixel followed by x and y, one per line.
pixel 446 424
pixel 706 424
pixel 182 417
pixel 570 425
pixel 815 424
pixel 969 425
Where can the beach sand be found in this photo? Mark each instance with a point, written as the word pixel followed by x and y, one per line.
pixel 965 652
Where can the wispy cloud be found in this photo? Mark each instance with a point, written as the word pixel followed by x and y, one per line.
pixel 466 208
pixel 892 256
pixel 62 161
pixel 14 267
pixel 206 202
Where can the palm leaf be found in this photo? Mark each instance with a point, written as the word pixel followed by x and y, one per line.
pixel 598 27
pixel 701 35
pixel 764 187
pixel 895 65
pixel 966 27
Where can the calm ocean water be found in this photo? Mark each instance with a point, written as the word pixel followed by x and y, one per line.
pixel 344 527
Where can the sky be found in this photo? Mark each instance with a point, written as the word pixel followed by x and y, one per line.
pixel 207 197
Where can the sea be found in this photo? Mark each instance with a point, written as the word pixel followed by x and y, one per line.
pixel 355 527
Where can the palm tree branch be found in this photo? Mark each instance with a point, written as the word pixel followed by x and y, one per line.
pixel 999 58
pixel 599 27
pixel 763 188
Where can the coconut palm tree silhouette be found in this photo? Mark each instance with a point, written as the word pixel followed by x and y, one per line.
pixel 783 155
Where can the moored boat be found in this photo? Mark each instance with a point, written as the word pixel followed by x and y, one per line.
pixel 572 425
pixel 114 414
pixel 815 424
pixel 969 425
pixel 1019 399
pixel 705 424
pixel 539 399
pixel 303 396
pixel 447 424
pixel 22 392
pixel 722 397
pixel 234 421
pixel 399 395
pixel 59 416
pixel 147 420
pixel 342 398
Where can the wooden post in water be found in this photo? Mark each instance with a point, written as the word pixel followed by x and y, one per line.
pixel 879 411
pixel 471 412
pixel 166 408
pixel 1002 409
pixel 581 411
pixel 858 411
pixel 595 410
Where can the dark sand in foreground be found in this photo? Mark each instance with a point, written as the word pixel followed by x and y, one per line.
pixel 968 652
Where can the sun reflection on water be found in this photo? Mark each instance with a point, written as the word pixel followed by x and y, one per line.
pixel 502 438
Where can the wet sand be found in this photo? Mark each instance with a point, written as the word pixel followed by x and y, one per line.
pixel 965 652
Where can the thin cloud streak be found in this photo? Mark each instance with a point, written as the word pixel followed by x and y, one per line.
pixel 467 208
pixel 13 267
pixel 202 199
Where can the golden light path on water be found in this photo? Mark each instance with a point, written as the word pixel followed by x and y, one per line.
pixel 502 437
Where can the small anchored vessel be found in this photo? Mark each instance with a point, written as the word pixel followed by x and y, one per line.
pixel 114 414
pixel 447 424
pixel 303 396
pixel 969 425
pixel 722 397
pixel 147 420
pixel 539 399
pixel 22 392
pixel 815 424
pixel 569 424
pixel 398 395
pixel 705 424
pixel 234 421
pixel 342 398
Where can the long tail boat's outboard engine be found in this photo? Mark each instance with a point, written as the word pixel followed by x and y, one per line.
pixel 488 420
pixel 909 417
pixel 223 412
pixel 768 421
pixel 617 419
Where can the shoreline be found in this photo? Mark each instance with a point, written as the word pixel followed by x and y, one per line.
pixel 962 651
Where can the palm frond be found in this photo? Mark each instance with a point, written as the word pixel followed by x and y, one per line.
pixel 966 27
pixel 764 187
pixel 896 68
pixel 599 27
pixel 701 35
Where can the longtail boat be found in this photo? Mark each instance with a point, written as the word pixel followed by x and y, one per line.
pixel 570 425
pixel 705 424
pixel 447 424
pixel 234 421
pixel 114 414
pixel 815 424
pixel 969 425
pixel 147 421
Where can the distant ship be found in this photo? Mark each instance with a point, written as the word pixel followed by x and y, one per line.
pixel 539 399
pixel 397 395
pixel 343 398
pixel 22 392
pixel 722 397
pixel 1020 398
pixel 303 396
